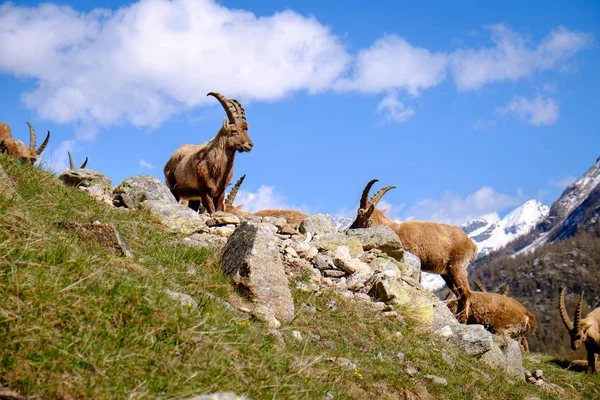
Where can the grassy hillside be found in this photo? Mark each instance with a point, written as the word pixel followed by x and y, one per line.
pixel 77 320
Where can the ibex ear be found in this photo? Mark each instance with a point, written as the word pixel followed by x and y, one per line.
pixel 225 123
pixel 240 206
pixel 384 210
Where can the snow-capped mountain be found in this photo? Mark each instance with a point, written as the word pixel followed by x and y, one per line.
pixel 490 232
pixel 342 223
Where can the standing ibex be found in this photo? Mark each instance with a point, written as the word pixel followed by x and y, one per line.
pixel 586 330
pixel 17 148
pixel 499 314
pixel 443 249
pixel 291 216
pixel 202 172
pixel 72 166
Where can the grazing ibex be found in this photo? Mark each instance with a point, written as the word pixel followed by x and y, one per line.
pixel 586 330
pixel 499 314
pixel 443 249
pixel 291 216
pixel 72 166
pixel 17 148
pixel 202 172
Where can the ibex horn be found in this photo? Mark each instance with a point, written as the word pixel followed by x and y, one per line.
pixel 377 196
pixel 578 313
pixel 71 165
pixel 239 110
pixel 84 163
pixel 479 285
pixel 44 143
pixel 506 290
pixel 563 311
pixel 231 196
pixel 223 100
pixel 364 200
pixel 31 137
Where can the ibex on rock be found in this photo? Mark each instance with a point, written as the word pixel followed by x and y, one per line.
pixel 197 173
pixel 17 148
pixel 582 330
pixel 291 216
pixel 443 249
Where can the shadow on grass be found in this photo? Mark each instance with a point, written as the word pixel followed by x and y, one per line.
pixel 575 365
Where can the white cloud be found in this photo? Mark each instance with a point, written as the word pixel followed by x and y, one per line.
pixel 513 57
pixel 453 209
pixel 58 161
pixel 146 164
pixel 147 61
pixel 393 110
pixel 265 197
pixel 539 111
pixel 563 182
pixel 393 63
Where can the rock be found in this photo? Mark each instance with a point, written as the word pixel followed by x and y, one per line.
pixel 221 218
pixel 357 280
pixel 438 380
pixel 319 223
pixel 132 192
pixel 277 335
pixel 506 355
pixel 401 357
pixel 105 234
pixel 538 374
pixel 343 260
pixel 344 363
pixel 413 262
pixel 175 217
pixel 185 299
pixel 411 370
pixel 323 262
pixel 333 273
pixel 220 396
pixel 204 240
pixel 86 178
pixel 297 335
pixel 380 237
pixel 266 315
pixel 224 231
pixel 251 258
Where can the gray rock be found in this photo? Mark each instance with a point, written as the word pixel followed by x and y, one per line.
pixel 331 241
pixel 473 340
pixel 438 380
pixel 175 217
pixel 85 178
pixel 204 240
pixel 251 258
pixel 185 299
pixel 320 224
pixel 380 237
pixel 132 192
pixel 413 262
pixel 357 280
pixel 505 355
pixel 221 218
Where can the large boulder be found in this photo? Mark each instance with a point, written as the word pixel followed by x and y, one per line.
pixel 132 192
pixel 175 217
pixel 319 224
pixel 86 178
pixel 252 259
pixel 379 237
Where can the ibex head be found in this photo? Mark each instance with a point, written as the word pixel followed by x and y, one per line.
pixel 573 327
pixel 19 149
pixel 235 125
pixel 368 215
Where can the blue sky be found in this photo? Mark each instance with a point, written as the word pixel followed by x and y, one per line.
pixel 467 108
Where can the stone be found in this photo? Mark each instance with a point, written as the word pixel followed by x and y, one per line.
pixel 176 218
pixel 185 299
pixel 224 231
pixel 323 262
pixel 86 178
pixel 221 218
pixel 134 191
pixel 413 263
pixel 411 370
pixel 357 280
pixel 538 374
pixel 105 234
pixel 297 335
pixel 438 380
pixel 219 396
pixel 251 258
pixel 333 273
pixel 344 363
pixel 379 237
pixel 204 240
pixel 317 224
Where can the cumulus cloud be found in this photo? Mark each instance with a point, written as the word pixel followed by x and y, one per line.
pixel 145 164
pixel 265 197
pixel 147 61
pixel 393 63
pixel 513 57
pixel 539 111
pixel 452 208
pixel 393 110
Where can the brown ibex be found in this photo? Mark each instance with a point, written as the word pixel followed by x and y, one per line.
pixel 582 330
pixel 197 173
pixel 72 166
pixel 291 216
pixel 443 249
pixel 17 148
pixel 502 315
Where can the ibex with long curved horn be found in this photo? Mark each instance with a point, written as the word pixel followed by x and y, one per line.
pixel 200 173
pixel 443 249
pixel 72 166
pixel 499 314
pixel 291 216
pixel 582 330
pixel 17 148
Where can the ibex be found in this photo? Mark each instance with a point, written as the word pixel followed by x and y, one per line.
pixel 17 148
pixel 443 249
pixel 197 173
pixel 481 288
pixel 586 330
pixel 499 314
pixel 72 166
pixel 291 216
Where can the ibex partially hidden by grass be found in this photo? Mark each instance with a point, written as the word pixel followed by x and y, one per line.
pixel 443 249
pixel 72 166
pixel 582 330
pixel 291 216
pixel 17 148
pixel 499 314
pixel 202 172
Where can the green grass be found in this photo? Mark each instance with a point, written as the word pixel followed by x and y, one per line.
pixel 79 321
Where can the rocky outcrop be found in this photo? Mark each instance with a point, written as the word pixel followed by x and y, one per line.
pixel 87 179
pixel 105 234
pixel 134 191
pixel 175 217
